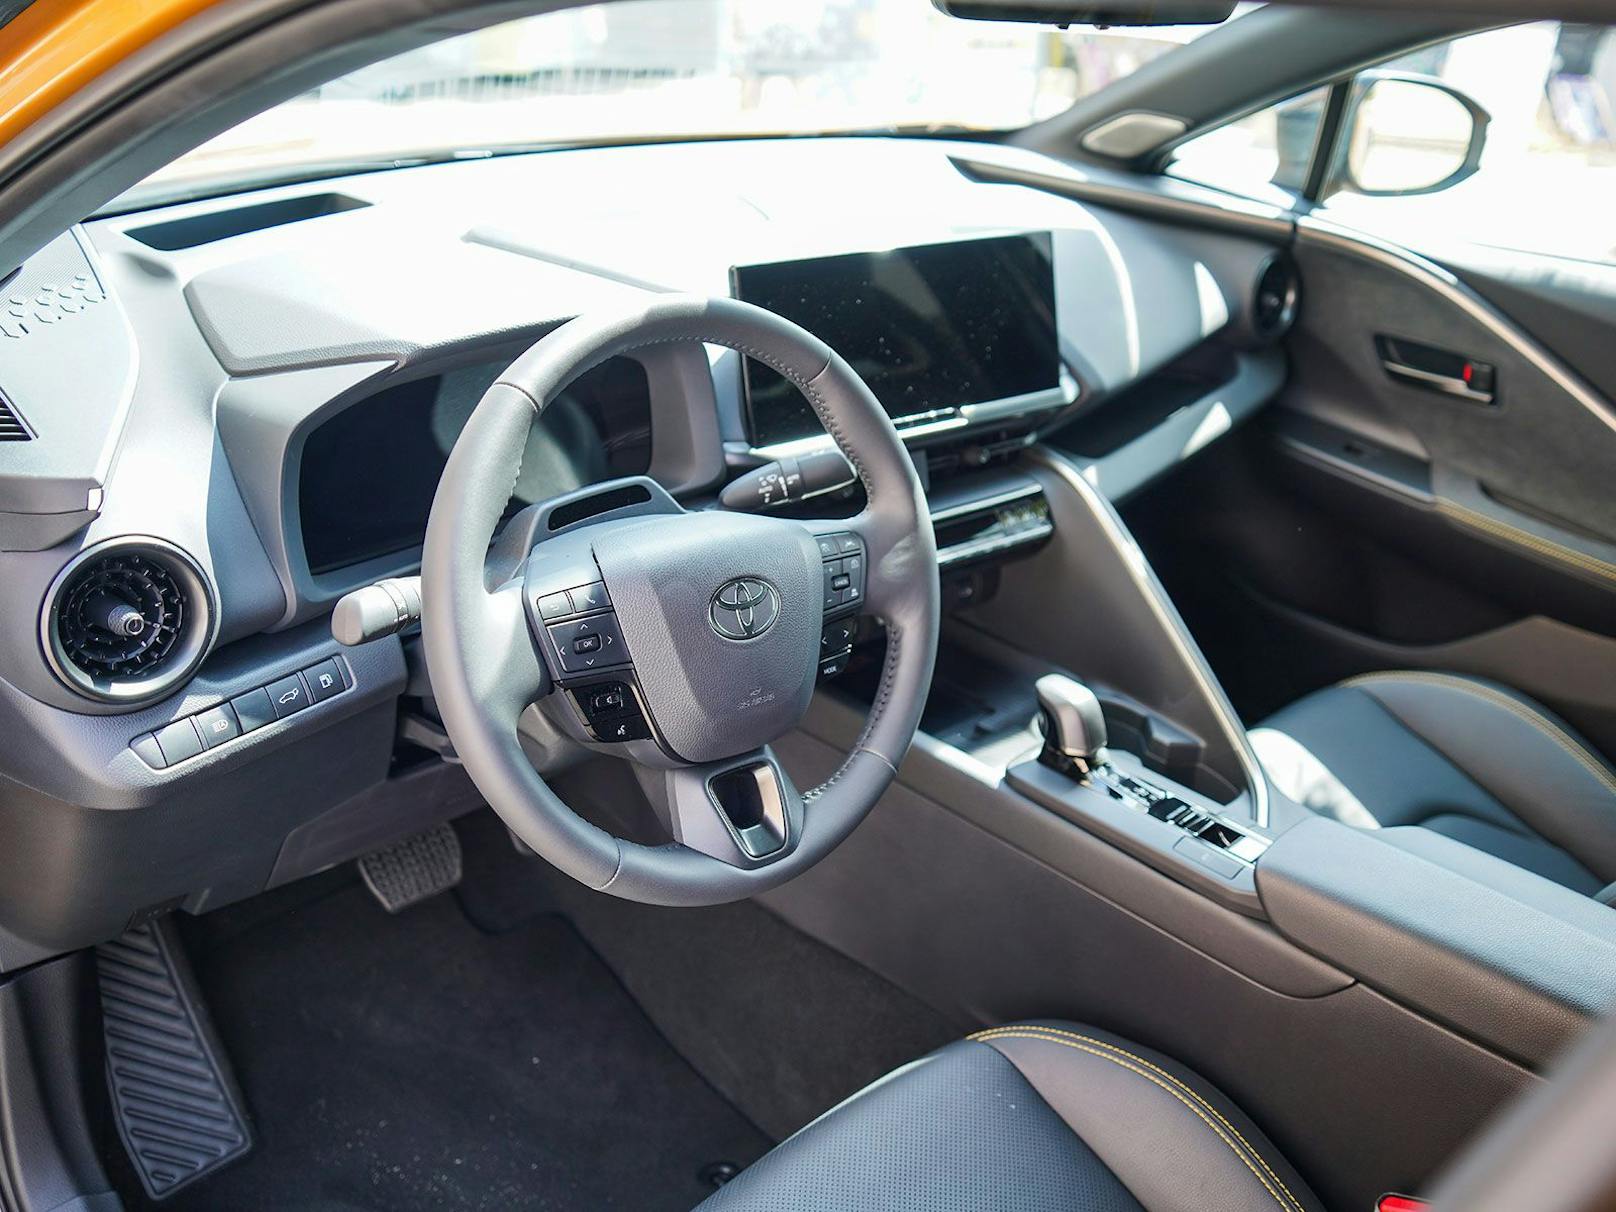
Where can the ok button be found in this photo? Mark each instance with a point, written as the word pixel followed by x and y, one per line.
pixel 585 645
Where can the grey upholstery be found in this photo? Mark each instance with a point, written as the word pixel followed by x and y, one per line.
pixel 1461 756
pixel 1027 1118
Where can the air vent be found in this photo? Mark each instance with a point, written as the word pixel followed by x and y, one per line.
pixel 12 427
pixel 128 620
pixel 1273 308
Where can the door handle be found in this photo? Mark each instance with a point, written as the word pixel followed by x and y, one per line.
pixel 1433 369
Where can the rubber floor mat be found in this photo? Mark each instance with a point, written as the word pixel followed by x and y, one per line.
pixel 414 1062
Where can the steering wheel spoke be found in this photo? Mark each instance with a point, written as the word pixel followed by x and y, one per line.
pixel 512 674
pixel 745 811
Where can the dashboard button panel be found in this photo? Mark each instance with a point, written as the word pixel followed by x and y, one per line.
pixel 246 712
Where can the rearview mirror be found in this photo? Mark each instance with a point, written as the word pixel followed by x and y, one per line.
pixel 1408 134
pixel 1095 12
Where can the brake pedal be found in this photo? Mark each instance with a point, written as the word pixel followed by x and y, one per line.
pixel 178 1110
pixel 414 869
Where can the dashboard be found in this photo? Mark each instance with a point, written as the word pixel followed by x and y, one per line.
pixel 234 412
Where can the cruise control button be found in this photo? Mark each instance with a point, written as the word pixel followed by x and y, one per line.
pixel 288 695
pixel 592 643
pixel 829 549
pixel 848 544
pixel 218 725
pixel 324 680
pixel 833 596
pixel 253 709
pixel 179 741
pixel 555 606
pixel 590 597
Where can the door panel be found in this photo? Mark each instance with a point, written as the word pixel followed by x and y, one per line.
pixel 1374 523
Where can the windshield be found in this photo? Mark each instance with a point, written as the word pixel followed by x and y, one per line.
pixel 650 69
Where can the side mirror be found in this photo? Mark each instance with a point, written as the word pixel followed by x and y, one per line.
pixel 1407 134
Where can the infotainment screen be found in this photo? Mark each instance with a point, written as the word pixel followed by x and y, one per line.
pixel 930 328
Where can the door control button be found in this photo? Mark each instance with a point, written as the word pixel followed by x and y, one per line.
pixel 253 709
pixel 218 725
pixel 179 741
pixel 324 680
pixel 288 696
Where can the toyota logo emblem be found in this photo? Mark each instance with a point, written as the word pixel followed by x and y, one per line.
pixel 744 608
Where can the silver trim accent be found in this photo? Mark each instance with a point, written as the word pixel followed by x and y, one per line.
pixel 947 556
pixel 1443 383
pixel 1446 284
pixel 1166 616
pixel 1003 498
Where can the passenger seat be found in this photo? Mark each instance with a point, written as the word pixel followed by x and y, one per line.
pixel 1462 756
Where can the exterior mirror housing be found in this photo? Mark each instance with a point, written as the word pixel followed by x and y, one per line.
pixel 1407 134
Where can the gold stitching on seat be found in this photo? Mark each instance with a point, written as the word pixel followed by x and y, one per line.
pixel 1546 726
pixel 1178 1089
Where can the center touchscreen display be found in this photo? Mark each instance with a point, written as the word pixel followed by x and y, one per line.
pixel 929 328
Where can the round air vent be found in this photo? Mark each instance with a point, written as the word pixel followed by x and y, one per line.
pixel 128 620
pixel 1279 291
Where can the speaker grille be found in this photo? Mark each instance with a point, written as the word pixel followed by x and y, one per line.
pixel 12 428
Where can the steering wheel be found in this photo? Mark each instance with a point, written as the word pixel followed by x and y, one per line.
pixel 685 641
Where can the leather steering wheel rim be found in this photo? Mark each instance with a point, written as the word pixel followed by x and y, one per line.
pixel 481 654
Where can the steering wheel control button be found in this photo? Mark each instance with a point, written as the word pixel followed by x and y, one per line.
pixel 179 741
pixel 588 644
pixel 624 728
pixel 555 606
pixel 324 680
pixel 829 548
pixel 843 556
pixel 848 544
pixel 253 709
pixel 744 608
pixel 288 696
pixel 589 597
pixel 608 700
pixel 218 725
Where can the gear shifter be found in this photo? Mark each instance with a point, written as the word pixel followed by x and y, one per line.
pixel 1074 726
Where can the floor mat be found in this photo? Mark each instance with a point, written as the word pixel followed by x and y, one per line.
pixel 415 1062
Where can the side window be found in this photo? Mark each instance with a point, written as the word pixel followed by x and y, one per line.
pixel 1545 180
pixel 1264 155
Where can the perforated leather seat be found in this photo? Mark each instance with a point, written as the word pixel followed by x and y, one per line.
pixel 1462 756
pixel 1027 1118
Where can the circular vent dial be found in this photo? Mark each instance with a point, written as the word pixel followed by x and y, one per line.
pixel 128 620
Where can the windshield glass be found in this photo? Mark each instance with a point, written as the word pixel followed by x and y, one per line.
pixel 648 69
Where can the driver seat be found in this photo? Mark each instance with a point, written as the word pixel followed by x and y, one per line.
pixel 1026 1118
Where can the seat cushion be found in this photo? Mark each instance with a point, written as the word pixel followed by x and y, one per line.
pixel 1461 756
pixel 1026 1118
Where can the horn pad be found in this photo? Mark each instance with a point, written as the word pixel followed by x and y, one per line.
pixel 722 614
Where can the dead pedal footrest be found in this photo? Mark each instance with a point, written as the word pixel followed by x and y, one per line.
pixel 177 1107
pixel 409 871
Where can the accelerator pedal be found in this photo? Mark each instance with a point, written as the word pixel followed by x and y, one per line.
pixel 178 1110
pixel 408 872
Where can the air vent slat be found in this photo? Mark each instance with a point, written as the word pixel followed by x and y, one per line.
pixel 12 428
pixel 128 621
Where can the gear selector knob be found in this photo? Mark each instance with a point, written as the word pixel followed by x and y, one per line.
pixel 1074 725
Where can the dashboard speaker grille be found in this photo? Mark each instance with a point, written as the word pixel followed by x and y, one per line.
pixel 128 620
pixel 12 428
